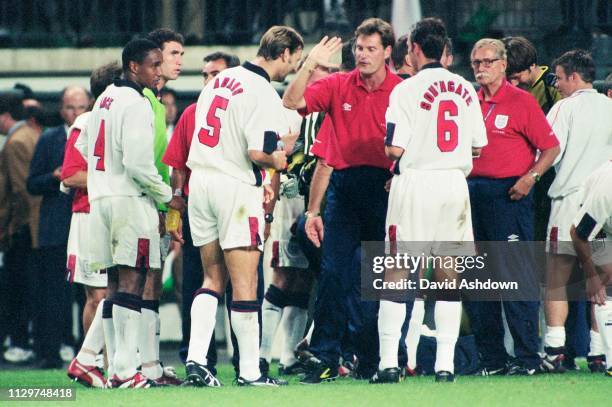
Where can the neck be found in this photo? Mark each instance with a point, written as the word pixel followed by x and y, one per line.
pixel 425 61
pixel 267 66
pixel 131 77
pixel 583 85
pixel 162 83
pixel 491 89
pixel 373 81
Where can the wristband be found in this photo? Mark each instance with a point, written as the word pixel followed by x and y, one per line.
pixel 178 192
pixel 269 218
pixel 312 215
pixel 535 175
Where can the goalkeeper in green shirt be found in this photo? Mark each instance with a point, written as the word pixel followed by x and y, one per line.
pixel 171 45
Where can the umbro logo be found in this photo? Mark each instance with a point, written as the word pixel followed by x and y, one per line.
pixel 346 107
pixel 513 238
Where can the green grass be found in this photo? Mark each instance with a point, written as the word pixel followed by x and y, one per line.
pixel 575 388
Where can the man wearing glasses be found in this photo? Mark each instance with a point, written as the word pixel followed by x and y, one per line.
pixel 501 196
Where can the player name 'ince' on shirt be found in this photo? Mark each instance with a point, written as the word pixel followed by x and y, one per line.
pixel 238 112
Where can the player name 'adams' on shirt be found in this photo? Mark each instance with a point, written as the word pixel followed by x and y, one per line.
pixel 435 117
pixel 119 146
pixel 237 112
pixel 583 125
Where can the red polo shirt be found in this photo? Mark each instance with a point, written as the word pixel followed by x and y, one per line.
pixel 178 147
pixel 516 128
pixel 357 116
pixel 73 163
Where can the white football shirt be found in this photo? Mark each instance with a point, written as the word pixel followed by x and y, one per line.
pixel 237 112
pixel 435 117
pixel 596 211
pixel 120 146
pixel 583 125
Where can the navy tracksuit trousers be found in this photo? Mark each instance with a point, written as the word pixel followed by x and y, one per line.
pixel 355 211
pixel 496 217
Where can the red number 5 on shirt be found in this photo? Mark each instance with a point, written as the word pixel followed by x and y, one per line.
pixel 213 121
pixel 448 133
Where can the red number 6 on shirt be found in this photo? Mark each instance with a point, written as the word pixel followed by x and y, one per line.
pixel 213 121
pixel 448 132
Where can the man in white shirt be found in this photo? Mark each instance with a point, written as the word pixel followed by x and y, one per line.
pixel 432 129
pixel 124 186
pixel 591 233
pixel 239 120
pixel 583 124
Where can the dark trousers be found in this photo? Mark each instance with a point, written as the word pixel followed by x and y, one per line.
pixel 18 297
pixel 356 208
pixel 55 309
pixel 193 277
pixel 496 218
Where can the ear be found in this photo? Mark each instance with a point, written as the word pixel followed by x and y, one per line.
pixel 388 52
pixel 134 67
pixel 286 55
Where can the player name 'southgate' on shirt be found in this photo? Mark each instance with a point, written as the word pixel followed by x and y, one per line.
pixel 435 117
pixel 119 147
pixel 237 112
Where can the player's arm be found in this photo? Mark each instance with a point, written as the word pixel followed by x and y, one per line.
pixel 276 160
pixel 138 159
pixel 77 180
pixel 398 127
pixel 559 122
pixel 594 284
pixel 318 186
pixel 74 167
pixel 293 98
pixel 393 152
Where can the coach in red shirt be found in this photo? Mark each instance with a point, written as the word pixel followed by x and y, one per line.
pixel 356 201
pixel 502 203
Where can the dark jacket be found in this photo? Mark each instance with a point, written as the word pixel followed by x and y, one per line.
pixel 55 209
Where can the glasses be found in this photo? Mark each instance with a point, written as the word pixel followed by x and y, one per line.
pixel 485 62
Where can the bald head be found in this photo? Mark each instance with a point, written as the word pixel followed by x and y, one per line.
pixel 74 101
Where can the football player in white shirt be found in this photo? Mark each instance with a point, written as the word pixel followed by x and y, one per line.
pixel 583 124
pixel 434 125
pixel 123 186
pixel 592 225
pixel 239 119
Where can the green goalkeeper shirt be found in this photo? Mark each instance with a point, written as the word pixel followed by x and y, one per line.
pixel 160 142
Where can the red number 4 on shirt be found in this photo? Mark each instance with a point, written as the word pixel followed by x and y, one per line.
pixel 214 122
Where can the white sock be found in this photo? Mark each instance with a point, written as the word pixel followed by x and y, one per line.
pixel 271 316
pixel 447 315
pixel 414 332
pixel 94 339
pixel 603 316
pixel 109 340
pixel 554 337
pixel 391 316
pixel 310 331
pixel 147 344
pixel 292 325
pixel 127 324
pixel 203 320
pixel 596 347
pixel 246 328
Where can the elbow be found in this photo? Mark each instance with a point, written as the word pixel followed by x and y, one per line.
pixel 288 103
pixel 554 152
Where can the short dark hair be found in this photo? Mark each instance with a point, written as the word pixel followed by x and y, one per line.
pixel 579 61
pixel 168 91
pixel 161 36
pixel 277 39
pixel 521 54
pixel 103 76
pixel 400 50
pixel 12 102
pixel 430 34
pixel 25 90
pixel 136 51
pixel 231 60
pixel 379 26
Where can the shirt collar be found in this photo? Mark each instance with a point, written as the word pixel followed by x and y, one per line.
pixel 434 64
pixel 387 84
pixel 498 96
pixel 14 128
pixel 258 70
pixel 126 82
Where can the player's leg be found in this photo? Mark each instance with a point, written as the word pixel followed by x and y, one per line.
pixel 558 271
pixel 107 319
pixel 203 315
pixel 596 358
pixel 273 305
pixel 295 318
pixel 149 326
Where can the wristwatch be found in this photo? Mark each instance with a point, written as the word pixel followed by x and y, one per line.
pixel 269 218
pixel 535 175
pixel 178 192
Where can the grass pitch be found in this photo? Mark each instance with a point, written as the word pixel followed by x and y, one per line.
pixel 574 388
